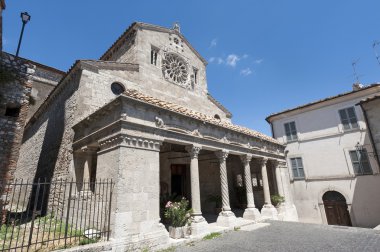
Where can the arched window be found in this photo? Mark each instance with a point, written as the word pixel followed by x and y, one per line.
pixel 117 88
pixel 216 116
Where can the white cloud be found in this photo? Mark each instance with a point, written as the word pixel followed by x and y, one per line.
pixel 258 61
pixel 212 59
pixel 232 60
pixel 213 42
pixel 246 71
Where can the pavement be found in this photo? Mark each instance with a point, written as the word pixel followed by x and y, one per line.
pixel 290 236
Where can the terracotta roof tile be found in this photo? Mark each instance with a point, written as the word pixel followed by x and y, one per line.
pixel 197 115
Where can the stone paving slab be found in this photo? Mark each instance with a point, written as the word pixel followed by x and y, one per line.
pixel 291 236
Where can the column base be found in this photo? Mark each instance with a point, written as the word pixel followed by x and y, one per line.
pixel 287 212
pixel 199 226
pixel 252 214
pixel 226 219
pixel 269 212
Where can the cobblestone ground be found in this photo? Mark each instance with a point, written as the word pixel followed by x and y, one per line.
pixel 287 236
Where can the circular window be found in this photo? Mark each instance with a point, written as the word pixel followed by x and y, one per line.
pixel 175 68
pixel 117 88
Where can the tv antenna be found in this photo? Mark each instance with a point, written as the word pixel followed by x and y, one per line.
pixel 375 44
pixel 356 76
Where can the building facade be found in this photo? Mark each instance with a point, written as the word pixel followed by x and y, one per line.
pixel 142 116
pixel 334 172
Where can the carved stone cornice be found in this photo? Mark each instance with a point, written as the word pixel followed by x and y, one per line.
pixel 131 142
pixel 245 159
pixel 222 155
pixel 193 151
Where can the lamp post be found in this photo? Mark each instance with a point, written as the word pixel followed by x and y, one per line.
pixel 25 17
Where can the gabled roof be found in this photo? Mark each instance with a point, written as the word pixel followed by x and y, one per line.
pixel 219 105
pixel 322 100
pixel 140 25
pixel 196 115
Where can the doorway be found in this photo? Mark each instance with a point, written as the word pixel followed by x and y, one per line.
pixel 336 209
pixel 179 180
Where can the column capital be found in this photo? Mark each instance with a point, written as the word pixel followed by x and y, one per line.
pixel 193 150
pixel 222 155
pixel 246 158
pixel 263 161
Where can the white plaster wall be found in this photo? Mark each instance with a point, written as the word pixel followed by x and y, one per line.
pixel 324 148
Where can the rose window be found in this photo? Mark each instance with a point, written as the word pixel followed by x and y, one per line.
pixel 175 68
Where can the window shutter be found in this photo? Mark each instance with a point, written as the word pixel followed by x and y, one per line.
pixel 344 119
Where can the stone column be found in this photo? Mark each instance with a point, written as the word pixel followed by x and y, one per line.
pixel 226 217
pixel 278 172
pixel 251 212
pixel 199 226
pixel 268 210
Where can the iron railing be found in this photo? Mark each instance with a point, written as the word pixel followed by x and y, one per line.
pixel 47 215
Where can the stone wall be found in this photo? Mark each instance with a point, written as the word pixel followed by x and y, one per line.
pixel 15 88
pixel 372 109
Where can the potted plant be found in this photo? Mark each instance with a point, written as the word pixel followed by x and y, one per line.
pixel 277 200
pixel 178 214
pixel 217 200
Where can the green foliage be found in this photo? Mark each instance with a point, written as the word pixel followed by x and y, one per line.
pixel 277 199
pixel 86 241
pixel 178 213
pixel 170 249
pixel 212 236
pixel 217 199
pixel 236 228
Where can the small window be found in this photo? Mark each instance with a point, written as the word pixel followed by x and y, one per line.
pixel 291 131
pixel 12 111
pixel 117 88
pixel 297 168
pixel 360 162
pixel 348 118
pixel 195 75
pixel 216 116
pixel 153 56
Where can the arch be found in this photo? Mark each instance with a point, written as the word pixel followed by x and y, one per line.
pixel 216 116
pixel 336 209
pixel 333 188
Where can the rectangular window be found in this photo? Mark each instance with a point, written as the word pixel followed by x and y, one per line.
pixel 297 167
pixel 360 162
pixel 290 131
pixel 348 118
pixel 153 56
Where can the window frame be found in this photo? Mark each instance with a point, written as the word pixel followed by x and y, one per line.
pixel 360 171
pixel 348 119
pixel 154 55
pixel 294 137
pixel 297 168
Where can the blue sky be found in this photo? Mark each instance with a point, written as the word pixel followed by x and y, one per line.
pixel 264 56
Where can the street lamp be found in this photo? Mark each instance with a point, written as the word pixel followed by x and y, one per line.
pixel 25 17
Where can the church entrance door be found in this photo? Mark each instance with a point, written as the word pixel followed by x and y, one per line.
pixel 336 209
pixel 179 180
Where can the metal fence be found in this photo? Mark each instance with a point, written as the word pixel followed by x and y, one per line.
pixel 47 215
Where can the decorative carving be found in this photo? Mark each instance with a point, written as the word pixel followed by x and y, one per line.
pixel 123 116
pixel 193 150
pixel 225 140
pixel 263 161
pixel 246 159
pixel 130 141
pixel 176 69
pixel 196 133
pixel 222 155
pixel 159 122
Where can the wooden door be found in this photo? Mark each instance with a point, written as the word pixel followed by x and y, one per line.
pixel 336 209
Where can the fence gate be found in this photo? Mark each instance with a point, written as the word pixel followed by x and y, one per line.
pixel 46 215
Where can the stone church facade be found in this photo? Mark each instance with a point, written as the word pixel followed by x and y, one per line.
pixel 142 115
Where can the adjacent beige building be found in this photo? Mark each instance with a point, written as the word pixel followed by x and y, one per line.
pixel 334 169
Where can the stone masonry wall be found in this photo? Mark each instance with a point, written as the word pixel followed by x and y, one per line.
pixel 15 90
